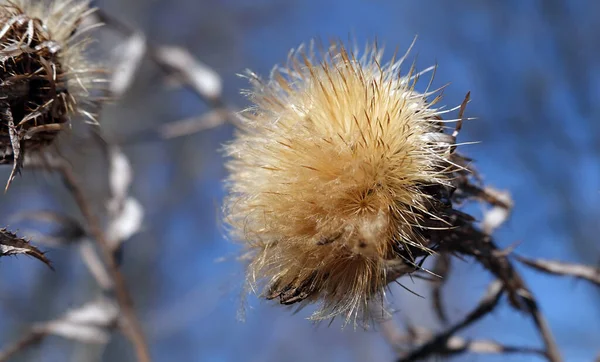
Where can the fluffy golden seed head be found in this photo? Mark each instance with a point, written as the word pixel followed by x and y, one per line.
pixel 328 177
pixel 44 77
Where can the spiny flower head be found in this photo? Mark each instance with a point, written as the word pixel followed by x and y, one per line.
pixel 335 174
pixel 44 77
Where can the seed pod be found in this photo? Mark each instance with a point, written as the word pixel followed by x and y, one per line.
pixel 44 78
pixel 337 173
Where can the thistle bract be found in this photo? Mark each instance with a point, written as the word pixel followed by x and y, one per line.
pixel 43 74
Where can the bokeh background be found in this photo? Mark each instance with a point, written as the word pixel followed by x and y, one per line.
pixel 533 71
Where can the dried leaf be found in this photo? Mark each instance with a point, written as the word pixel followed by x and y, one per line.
pixel 90 323
pixel 120 175
pixel 128 57
pixel 125 213
pixel 11 244
pixel 500 211
pixel 128 222
pixel 197 75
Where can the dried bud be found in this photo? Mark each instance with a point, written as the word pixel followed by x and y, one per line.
pixel 44 77
pixel 337 174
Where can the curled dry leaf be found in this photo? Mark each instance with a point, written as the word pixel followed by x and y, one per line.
pixel 11 244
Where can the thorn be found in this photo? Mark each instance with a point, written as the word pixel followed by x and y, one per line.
pixel 15 141
pixel 509 250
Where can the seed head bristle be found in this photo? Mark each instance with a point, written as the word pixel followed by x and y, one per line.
pixel 335 173
pixel 44 76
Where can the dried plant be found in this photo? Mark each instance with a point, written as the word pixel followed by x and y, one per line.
pixel 338 174
pixel 344 178
pixel 45 82
pixel 45 79
pixel 94 321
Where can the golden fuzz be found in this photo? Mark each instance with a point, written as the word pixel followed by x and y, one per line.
pixel 44 76
pixel 327 177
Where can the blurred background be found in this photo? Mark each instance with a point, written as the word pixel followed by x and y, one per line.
pixel 533 72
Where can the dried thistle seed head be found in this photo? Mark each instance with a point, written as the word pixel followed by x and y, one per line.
pixel 336 173
pixel 44 77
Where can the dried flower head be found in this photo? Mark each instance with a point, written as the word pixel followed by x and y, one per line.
pixel 336 174
pixel 44 77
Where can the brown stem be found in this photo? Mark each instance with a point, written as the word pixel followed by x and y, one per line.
pixel 132 327
pixel 32 338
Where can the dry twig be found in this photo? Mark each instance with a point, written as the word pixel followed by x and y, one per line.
pixel 578 271
pixel 131 326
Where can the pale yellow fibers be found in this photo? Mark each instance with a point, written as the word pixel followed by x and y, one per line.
pixel 326 175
